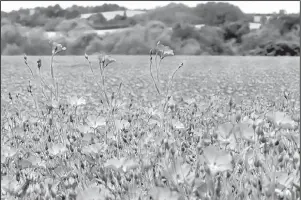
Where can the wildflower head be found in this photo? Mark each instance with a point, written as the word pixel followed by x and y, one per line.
pixel 217 160
pixel 105 60
pixel 164 51
pixel 25 58
pixel 56 47
pixel 39 64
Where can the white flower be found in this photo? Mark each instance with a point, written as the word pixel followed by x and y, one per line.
pixel 56 48
pixel 105 59
pixel 164 51
pixel 74 101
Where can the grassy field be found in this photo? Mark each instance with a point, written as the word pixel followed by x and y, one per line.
pixel 200 75
pixel 229 130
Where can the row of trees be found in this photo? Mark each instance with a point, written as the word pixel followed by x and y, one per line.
pixel 41 16
pixel 233 38
pixel 211 13
pixel 226 32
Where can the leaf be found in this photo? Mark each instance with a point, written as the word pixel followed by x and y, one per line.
pixel 189 101
pixel 177 124
pixel 96 121
pixel 160 193
pixel 94 192
pixel 149 111
pixel 122 124
pixel 114 163
pixel 36 161
pixel 284 179
pixel 217 160
pixel 94 148
pixel 57 149
pixel 281 119
pixel 134 192
pixel 246 131
pixel 74 101
pixel 224 130
pixel 123 163
pixel 9 184
pixel 24 163
pixel 129 164
pixel 177 172
pixel 8 151
pixel 84 129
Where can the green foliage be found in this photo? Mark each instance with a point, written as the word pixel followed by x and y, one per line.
pixel 226 31
pixel 235 30
pixel 11 49
pixel 185 31
pixel 52 24
pixel 97 19
pixel 132 42
pixel 214 13
pixel 180 14
pixel 72 14
pixel 73 24
pixel 78 46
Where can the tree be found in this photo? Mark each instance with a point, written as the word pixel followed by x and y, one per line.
pixel 72 14
pixel 97 19
pixel 235 30
pixel 282 12
pixel 263 19
pixel 218 13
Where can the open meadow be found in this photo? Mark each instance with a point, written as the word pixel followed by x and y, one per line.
pixel 228 128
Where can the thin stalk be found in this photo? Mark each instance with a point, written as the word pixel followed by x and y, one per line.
pixel 168 85
pixel 90 65
pixel 157 66
pixel 29 69
pixel 150 69
pixel 101 67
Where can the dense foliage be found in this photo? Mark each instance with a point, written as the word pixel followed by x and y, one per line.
pixel 226 31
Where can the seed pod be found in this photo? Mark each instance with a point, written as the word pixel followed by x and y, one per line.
pixel 39 64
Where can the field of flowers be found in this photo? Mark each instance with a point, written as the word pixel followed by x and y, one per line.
pixel 159 127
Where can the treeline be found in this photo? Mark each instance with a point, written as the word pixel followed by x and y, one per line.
pixel 226 32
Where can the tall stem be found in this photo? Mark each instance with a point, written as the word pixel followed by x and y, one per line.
pixel 150 69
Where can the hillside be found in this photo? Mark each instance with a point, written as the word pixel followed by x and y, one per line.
pixel 210 28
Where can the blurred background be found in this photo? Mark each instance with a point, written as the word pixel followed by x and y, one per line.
pixel 133 28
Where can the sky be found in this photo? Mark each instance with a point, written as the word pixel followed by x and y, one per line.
pixel 245 6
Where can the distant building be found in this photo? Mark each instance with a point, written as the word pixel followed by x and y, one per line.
pixel 254 26
pixel 258 18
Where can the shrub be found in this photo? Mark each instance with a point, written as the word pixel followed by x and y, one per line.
pixel 219 13
pixel 78 46
pixel 96 46
pixel 212 40
pixel 153 31
pixel 235 30
pixel 12 49
pixel 36 44
pixel 185 32
pixel 52 24
pixel 191 47
pixel 132 42
pixel 97 19
pixel 10 34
